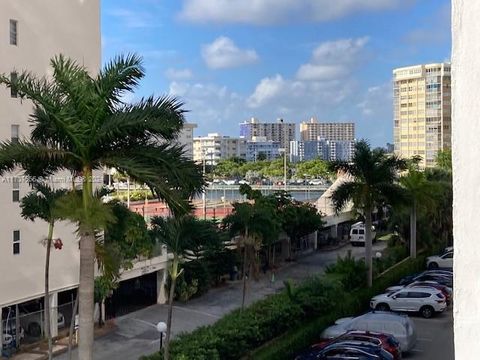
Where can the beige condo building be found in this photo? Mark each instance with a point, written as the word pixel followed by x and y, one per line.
pixel 314 130
pixel 422 111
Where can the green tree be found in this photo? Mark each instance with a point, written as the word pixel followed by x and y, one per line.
pixel 444 159
pixel 313 169
pixel 81 124
pixel 179 234
pixel 261 156
pixel 371 181
pixel 419 191
pixel 41 204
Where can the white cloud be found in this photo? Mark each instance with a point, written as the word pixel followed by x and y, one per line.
pixel 178 74
pixel 266 12
pixel 267 89
pixel 332 60
pixel 222 53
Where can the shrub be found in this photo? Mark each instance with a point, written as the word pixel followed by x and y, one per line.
pixel 352 273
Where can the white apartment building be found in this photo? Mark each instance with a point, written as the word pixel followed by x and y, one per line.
pixel 31 33
pixel 215 147
pixel 185 138
pixel 260 147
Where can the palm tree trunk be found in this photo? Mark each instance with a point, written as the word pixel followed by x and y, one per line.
pixel 413 231
pixel 368 246
pixel 87 270
pixel 244 291
pixel 72 326
pixel 48 332
pixel 173 276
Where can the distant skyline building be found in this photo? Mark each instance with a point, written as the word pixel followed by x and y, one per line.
pixel 215 147
pixel 313 130
pixel 321 149
pixel 422 111
pixel 279 131
pixel 260 145
pixel 185 138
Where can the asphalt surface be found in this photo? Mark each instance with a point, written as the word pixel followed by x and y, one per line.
pixel 136 334
pixel 435 337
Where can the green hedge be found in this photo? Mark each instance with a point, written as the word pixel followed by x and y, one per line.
pixel 293 318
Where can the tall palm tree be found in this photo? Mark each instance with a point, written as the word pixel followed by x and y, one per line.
pixel 180 235
pixel 372 182
pixel 419 190
pixel 81 124
pixel 40 204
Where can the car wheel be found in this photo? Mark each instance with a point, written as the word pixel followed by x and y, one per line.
pixel 427 312
pixel 34 329
pixel 433 265
pixel 382 307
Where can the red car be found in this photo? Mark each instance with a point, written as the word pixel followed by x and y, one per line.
pixel 387 342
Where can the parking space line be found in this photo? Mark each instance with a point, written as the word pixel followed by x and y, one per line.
pixel 424 339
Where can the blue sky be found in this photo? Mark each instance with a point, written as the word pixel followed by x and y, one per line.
pixel 229 60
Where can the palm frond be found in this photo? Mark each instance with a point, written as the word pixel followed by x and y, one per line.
pixel 345 193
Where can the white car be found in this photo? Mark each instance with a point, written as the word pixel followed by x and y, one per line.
pixel 440 261
pixel 399 326
pixel 425 300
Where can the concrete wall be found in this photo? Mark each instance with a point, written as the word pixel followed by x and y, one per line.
pixel 45 28
pixel 466 176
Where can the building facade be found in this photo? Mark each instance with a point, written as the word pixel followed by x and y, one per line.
pixel 215 147
pixel 422 111
pixel 185 139
pixel 261 148
pixel 313 130
pixel 321 149
pixel 31 33
pixel 279 131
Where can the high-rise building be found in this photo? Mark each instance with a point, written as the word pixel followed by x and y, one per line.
pixel 215 147
pixel 313 130
pixel 185 138
pixel 422 111
pixel 279 131
pixel 322 149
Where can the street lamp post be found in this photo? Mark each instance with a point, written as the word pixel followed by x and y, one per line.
pixel 162 329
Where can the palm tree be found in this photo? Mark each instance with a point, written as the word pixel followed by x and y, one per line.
pixel 180 235
pixel 40 204
pixel 371 182
pixel 419 190
pixel 81 124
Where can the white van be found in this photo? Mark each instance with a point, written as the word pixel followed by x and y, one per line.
pixel 357 234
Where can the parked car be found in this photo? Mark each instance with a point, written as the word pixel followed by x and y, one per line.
pixel 438 278
pixel 446 291
pixel 440 261
pixel 398 325
pixel 425 300
pixel 348 350
pixel 357 234
pixel 31 318
pixel 386 341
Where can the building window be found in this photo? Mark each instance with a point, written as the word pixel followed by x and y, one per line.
pixel 15 133
pixel 13 90
pixel 13 32
pixel 16 242
pixel 16 189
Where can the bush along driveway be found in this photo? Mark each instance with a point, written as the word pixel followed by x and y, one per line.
pixel 283 324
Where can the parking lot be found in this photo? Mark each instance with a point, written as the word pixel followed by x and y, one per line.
pixel 435 337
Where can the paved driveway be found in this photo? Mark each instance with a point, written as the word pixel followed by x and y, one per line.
pixel 136 334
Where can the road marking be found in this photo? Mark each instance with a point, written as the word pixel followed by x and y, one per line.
pixel 197 311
